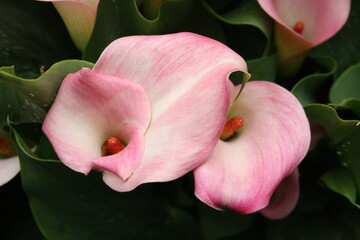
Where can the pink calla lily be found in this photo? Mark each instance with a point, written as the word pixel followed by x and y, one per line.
pixel 303 24
pixel 79 17
pixel 165 97
pixel 243 172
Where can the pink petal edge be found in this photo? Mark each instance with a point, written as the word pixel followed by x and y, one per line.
pixel 284 199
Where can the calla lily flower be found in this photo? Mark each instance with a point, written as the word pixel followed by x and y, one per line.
pixel 9 164
pixel 79 17
pixel 243 171
pixel 151 109
pixel 303 24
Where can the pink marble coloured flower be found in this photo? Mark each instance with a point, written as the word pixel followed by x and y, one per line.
pixel 9 164
pixel 303 24
pixel 79 17
pixel 151 110
pixel 269 142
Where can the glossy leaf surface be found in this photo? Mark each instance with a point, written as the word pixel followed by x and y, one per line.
pixel 68 205
pixel 344 136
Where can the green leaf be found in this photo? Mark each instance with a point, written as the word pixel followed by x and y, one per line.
pixel 320 214
pixel 263 68
pixel 342 182
pixel 16 221
pixel 345 45
pixel 17 107
pixel 43 89
pixel 347 85
pixel 246 26
pixel 68 205
pixel 217 224
pixel 308 89
pixel 119 18
pixel 8 69
pixel 345 92
pixel 318 161
pixel 32 34
pixel 45 151
pixel 344 136
pixel 337 222
pixel 246 12
pixel 349 104
pixel 27 100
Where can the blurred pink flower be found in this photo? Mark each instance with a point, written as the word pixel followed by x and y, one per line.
pixel 9 164
pixel 303 24
pixel 9 168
